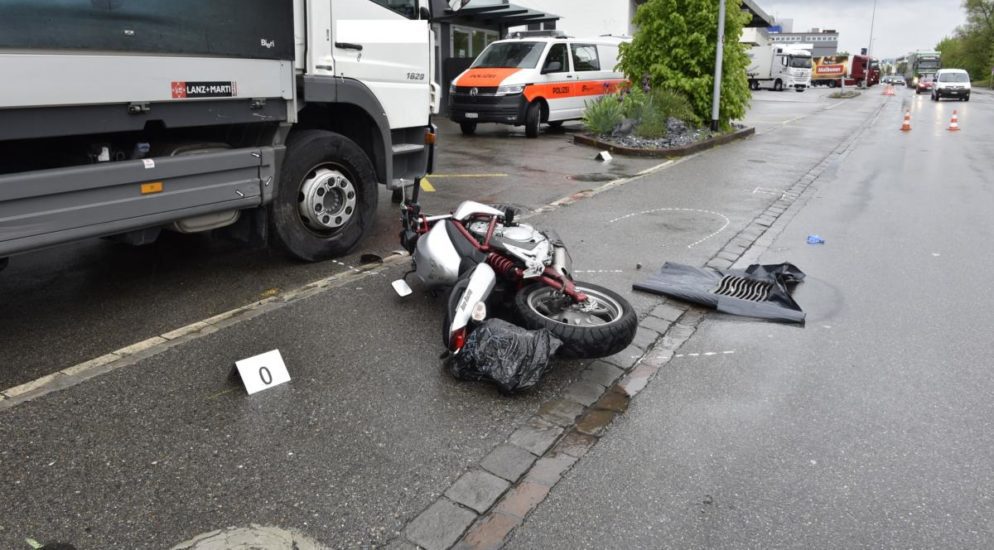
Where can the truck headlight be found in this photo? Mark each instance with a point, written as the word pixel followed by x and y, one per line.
pixel 510 90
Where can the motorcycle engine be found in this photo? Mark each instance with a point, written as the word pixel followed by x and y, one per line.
pixel 520 241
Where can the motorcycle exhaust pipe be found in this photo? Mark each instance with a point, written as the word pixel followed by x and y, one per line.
pixel 561 262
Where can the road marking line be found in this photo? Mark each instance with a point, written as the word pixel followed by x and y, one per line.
pixel 443 176
pixel 72 376
pixel 598 271
pixel 705 354
pixel 426 186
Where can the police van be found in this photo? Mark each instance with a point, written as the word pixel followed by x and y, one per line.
pixel 535 77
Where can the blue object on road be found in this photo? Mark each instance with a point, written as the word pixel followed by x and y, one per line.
pixel 815 239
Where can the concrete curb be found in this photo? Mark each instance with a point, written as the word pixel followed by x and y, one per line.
pixel 672 152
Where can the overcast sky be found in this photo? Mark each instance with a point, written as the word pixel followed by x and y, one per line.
pixel 901 25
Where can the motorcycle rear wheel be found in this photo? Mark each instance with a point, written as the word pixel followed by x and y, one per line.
pixel 603 326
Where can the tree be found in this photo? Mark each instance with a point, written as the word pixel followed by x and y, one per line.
pixel 972 45
pixel 675 47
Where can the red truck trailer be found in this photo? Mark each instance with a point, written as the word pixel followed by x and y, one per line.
pixel 833 70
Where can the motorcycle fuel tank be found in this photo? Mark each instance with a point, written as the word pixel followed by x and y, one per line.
pixel 436 258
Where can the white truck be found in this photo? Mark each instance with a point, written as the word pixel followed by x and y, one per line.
pixel 272 118
pixel 776 66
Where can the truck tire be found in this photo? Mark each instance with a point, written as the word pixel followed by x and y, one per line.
pixel 533 119
pixel 778 85
pixel 832 84
pixel 326 198
pixel 611 329
pixel 467 128
pixel 754 85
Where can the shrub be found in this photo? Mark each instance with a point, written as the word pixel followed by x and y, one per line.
pixel 658 108
pixel 675 49
pixel 603 114
pixel 632 103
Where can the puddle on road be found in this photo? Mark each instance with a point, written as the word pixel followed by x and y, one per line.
pixel 250 538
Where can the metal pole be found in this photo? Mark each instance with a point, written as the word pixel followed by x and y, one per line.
pixel 869 49
pixel 715 109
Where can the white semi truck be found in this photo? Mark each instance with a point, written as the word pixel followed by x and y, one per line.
pixel 776 66
pixel 272 118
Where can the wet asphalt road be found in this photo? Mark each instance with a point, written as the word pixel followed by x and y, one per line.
pixel 868 428
pixel 370 430
pixel 67 305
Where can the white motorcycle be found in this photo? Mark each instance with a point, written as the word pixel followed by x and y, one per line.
pixel 489 261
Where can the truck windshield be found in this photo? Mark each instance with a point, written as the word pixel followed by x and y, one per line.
pixel 510 55
pixel 926 64
pixel 800 62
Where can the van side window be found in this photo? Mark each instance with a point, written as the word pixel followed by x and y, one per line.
pixel 585 58
pixel 407 8
pixel 558 53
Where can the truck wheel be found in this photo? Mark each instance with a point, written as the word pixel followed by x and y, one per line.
pixel 468 128
pixel 605 327
pixel 754 85
pixel 326 199
pixel 831 84
pixel 533 118
pixel 778 86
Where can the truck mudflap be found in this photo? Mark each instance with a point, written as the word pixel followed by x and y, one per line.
pixel 50 207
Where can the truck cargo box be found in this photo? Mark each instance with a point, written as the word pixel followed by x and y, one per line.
pixel 256 29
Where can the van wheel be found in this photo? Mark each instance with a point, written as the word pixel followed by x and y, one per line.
pixel 326 199
pixel 533 118
pixel 468 128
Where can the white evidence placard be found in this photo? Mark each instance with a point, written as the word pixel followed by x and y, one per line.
pixel 263 371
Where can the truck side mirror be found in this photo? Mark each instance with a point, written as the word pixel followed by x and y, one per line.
pixel 424 14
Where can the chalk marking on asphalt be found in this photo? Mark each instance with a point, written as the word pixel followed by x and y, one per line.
pixel 598 271
pixel 704 354
pixel 92 368
pixel 692 245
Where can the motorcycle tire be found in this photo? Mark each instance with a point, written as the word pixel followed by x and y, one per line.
pixel 585 335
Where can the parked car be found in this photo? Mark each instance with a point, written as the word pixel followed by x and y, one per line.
pixel 953 83
pixel 924 84
pixel 535 77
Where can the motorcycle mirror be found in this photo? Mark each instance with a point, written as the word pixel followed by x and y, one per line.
pixel 402 289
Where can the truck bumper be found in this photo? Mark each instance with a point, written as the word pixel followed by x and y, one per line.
pixel 51 207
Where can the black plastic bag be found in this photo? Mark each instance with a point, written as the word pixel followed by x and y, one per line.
pixel 512 357
pixel 759 291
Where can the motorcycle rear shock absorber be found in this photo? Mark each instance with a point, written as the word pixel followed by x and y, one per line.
pixel 504 266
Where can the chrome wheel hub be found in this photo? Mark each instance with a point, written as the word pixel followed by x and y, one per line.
pixel 327 199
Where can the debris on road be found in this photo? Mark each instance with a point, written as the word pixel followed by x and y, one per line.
pixel 759 291
pixel 512 357
pixel 815 239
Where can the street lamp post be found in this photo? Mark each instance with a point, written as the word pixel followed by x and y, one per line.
pixel 715 105
pixel 869 49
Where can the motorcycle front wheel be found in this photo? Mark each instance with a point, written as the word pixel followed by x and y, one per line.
pixel 603 325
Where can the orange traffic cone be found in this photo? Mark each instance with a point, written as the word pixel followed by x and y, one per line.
pixel 888 90
pixel 906 127
pixel 954 123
